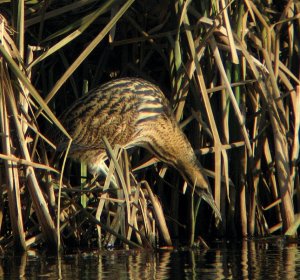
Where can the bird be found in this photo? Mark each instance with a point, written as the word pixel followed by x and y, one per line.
pixel 131 112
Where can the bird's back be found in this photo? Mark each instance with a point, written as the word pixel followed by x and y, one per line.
pixel 120 110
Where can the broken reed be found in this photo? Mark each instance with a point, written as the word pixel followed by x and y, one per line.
pixel 232 75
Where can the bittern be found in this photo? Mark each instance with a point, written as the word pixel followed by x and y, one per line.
pixel 132 112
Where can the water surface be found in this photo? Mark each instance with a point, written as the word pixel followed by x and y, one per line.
pixel 248 259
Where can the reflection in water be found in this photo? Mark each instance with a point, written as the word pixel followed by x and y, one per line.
pixel 275 259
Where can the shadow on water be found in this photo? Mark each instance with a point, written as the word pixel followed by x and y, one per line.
pixel 247 259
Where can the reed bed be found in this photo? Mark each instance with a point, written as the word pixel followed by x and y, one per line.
pixel 231 72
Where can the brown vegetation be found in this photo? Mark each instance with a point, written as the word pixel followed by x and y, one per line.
pixel 231 72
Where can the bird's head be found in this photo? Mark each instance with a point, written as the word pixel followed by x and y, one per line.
pixel 206 195
pixel 195 177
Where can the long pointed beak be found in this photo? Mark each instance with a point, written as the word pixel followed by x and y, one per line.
pixel 208 198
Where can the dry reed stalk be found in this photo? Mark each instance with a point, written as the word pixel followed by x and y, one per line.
pixel 158 213
pixel 216 138
pixel 39 202
pixel 12 181
pixel 281 148
pixel 132 225
pixel 295 96
pixel 102 200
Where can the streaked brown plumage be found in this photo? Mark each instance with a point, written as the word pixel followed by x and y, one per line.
pixel 131 112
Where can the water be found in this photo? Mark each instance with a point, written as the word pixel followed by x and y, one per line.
pixel 252 259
